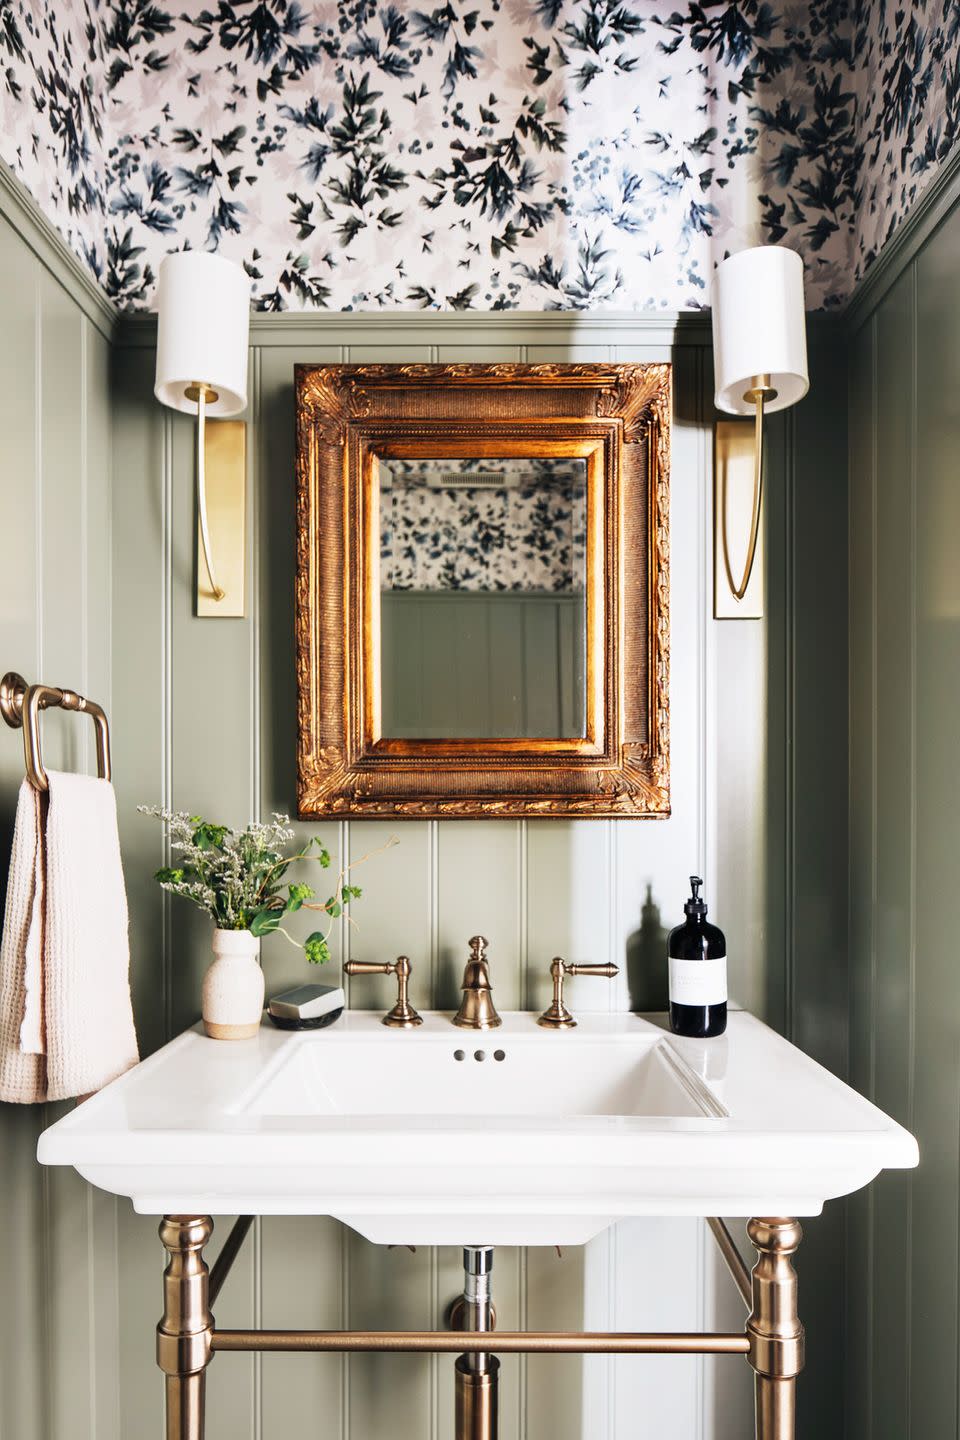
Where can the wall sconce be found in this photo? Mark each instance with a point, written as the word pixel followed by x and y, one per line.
pixel 203 332
pixel 760 362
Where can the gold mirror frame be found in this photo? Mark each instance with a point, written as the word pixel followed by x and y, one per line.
pixel 615 417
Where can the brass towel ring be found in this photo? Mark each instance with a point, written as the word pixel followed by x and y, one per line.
pixel 20 706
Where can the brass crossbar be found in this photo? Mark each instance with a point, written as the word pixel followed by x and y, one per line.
pixel 506 1342
pixel 772 1341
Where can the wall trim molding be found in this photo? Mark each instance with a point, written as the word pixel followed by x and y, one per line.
pixel 444 327
pixel 929 212
pixel 18 207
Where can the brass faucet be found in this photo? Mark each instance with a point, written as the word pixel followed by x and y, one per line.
pixel 477 1010
pixel 557 1016
pixel 402 1016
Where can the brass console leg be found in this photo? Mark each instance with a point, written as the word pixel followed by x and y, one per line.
pixel 773 1329
pixel 184 1334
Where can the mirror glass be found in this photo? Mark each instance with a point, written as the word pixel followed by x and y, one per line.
pixel 482 598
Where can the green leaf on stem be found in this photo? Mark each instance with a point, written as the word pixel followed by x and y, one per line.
pixel 264 922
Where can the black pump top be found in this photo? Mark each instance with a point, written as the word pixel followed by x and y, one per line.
pixel 695 905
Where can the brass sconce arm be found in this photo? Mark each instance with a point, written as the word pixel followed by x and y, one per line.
pixel 402 1016
pixel 201 394
pixel 557 1016
pixel 760 391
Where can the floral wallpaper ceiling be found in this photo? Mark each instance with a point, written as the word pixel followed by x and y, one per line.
pixel 525 529
pixel 908 110
pixel 481 153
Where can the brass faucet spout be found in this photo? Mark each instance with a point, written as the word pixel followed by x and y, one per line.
pixel 477 1010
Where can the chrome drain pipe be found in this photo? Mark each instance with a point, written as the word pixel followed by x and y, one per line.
pixel 478 1374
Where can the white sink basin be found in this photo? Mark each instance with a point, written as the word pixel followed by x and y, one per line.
pixel 493 1076
pixel 393 1134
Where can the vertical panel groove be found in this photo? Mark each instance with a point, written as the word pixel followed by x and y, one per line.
pixel 166 696
pixel 912 932
pixel 523 907
pixel 703 590
pixel 610 1361
pixel 705 771
pixel 84 537
pixel 433 1375
pixel 345 1323
pixel 38 466
pixel 91 1259
pixel 874 853
pixel 48 1299
pixel 46 1267
pixel 523 990
pixel 790 738
pixel 433 903
pixel 255 806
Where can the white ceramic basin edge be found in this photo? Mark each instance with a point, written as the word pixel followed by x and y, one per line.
pixel 517 1136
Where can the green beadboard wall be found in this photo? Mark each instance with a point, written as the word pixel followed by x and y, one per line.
pixel 202 715
pixel 904 803
pixel 54 623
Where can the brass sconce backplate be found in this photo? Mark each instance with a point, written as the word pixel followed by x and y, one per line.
pixel 733 462
pixel 225 452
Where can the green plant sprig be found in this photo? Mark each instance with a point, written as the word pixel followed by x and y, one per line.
pixel 239 877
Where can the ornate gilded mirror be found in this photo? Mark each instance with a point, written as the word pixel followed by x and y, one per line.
pixel 482 590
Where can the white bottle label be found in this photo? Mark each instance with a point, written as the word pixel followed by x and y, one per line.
pixel 698 982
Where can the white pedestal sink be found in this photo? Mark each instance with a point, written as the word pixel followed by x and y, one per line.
pixel 410 1137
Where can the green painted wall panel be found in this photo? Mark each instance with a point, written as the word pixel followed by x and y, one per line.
pixel 904 665
pixel 478 663
pixel 815 798
pixel 303 1285
pixel 203 713
pixel 894 849
pixel 58 1322
pixel 22 1262
pixel 859 1277
pixel 937 797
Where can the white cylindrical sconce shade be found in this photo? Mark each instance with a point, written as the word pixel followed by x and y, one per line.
pixel 759 328
pixel 203 331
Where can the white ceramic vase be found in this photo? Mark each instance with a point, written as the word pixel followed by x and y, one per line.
pixel 233 987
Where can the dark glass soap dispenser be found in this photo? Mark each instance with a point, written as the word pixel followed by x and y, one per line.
pixel 698 972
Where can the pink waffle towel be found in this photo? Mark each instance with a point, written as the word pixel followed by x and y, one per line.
pixel 66 1021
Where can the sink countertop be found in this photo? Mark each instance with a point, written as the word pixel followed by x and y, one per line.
pixel 548 1140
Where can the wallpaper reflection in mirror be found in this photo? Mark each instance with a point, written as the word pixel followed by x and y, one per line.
pixel 483 577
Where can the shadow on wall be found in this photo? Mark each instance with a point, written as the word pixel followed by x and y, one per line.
pixel 646 960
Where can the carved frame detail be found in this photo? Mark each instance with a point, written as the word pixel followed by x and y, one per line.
pixel 617 417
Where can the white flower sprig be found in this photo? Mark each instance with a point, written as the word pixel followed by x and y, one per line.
pixel 239 876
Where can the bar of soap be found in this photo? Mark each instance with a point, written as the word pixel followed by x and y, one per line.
pixel 307 1007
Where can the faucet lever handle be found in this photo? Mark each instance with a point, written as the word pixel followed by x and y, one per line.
pixel 557 1016
pixel 402 1016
